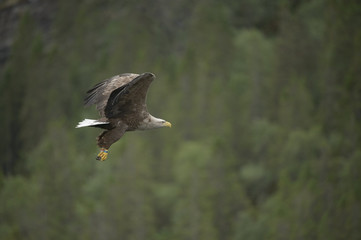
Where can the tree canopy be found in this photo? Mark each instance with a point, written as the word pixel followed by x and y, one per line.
pixel 265 102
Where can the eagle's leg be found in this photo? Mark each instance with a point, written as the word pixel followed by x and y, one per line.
pixel 106 139
pixel 103 154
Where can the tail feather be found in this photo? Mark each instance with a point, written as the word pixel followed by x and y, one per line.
pixel 91 123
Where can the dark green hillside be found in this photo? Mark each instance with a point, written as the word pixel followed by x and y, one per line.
pixel 264 98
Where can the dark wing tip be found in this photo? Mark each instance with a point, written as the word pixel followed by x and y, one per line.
pixel 92 94
pixel 148 75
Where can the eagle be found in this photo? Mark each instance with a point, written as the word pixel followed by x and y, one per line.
pixel 121 103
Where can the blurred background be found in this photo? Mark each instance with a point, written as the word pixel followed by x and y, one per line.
pixel 264 98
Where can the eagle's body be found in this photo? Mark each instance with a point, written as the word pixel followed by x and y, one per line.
pixel 121 103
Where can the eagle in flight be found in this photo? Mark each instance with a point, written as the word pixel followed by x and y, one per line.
pixel 120 101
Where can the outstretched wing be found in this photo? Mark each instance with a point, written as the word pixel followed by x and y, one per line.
pixel 101 92
pixel 129 98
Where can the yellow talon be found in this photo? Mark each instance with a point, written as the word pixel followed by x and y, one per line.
pixel 103 154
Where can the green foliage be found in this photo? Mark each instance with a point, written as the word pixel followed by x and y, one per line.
pixel 265 104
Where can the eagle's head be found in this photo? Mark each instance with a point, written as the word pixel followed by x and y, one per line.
pixel 164 123
pixel 152 122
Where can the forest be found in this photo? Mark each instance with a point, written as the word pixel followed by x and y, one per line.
pixel 265 102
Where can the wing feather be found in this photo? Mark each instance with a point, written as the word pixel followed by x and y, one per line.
pixel 101 92
pixel 129 98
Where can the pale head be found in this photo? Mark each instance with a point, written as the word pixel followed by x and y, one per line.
pixel 152 122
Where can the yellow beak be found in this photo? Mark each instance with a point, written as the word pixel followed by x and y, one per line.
pixel 167 124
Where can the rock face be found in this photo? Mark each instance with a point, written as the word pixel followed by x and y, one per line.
pixel 11 11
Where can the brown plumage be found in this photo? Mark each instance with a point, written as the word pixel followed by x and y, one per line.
pixel 121 103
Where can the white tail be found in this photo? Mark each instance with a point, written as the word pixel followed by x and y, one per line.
pixel 89 122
